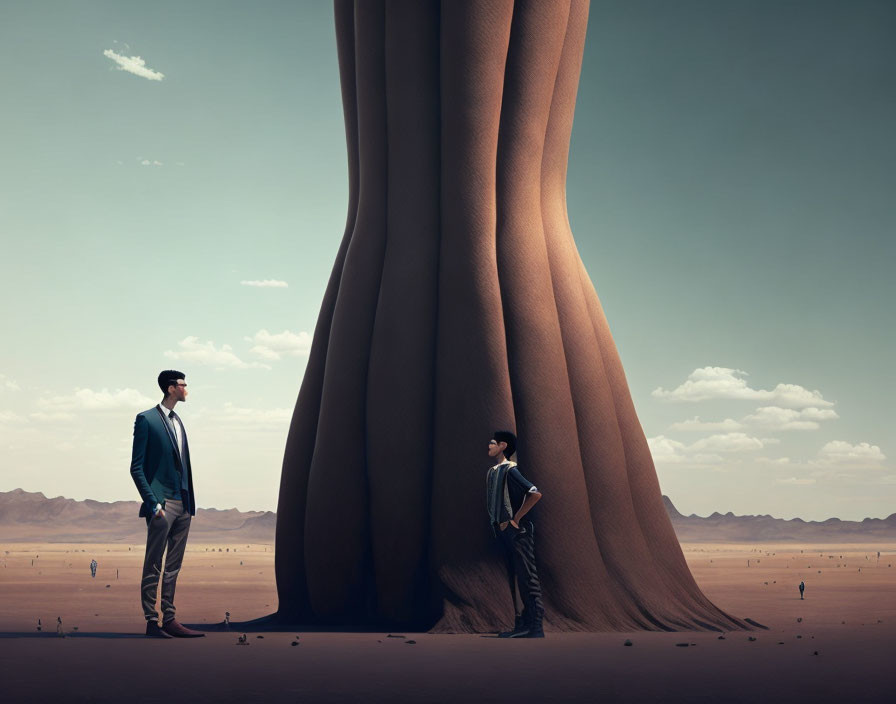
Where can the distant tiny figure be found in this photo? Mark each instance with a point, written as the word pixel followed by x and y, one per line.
pixel 59 631
pixel 39 625
pixel 93 566
pixel 227 619
pixel 802 589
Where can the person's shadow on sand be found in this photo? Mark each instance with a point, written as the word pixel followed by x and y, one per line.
pixel 75 634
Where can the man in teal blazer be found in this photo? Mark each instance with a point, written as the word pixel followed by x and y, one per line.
pixel 160 467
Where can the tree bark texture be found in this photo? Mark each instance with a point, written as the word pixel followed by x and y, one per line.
pixel 458 305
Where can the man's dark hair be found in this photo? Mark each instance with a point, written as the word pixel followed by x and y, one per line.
pixel 509 438
pixel 169 377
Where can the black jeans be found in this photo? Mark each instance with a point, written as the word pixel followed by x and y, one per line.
pixel 519 545
pixel 168 532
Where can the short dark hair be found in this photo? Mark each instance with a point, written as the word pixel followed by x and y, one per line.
pixel 169 377
pixel 509 438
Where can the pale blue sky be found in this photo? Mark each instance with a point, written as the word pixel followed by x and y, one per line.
pixel 729 188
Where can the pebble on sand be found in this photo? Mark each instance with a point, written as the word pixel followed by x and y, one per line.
pixel 627 642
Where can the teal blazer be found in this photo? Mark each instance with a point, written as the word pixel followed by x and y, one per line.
pixel 156 466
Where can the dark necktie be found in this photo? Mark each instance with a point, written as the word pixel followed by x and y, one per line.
pixel 174 420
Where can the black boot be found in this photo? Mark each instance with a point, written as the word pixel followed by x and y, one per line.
pixel 535 630
pixel 518 627
pixel 528 626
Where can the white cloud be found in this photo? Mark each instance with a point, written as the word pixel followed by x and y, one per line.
pixel 233 417
pixel 777 461
pixel 722 383
pixel 839 452
pixel 57 407
pixel 133 64
pixel 7 383
pixel 729 442
pixel 668 451
pixel 772 418
pixel 819 414
pixel 777 418
pixel 265 283
pixel 147 162
pixel 835 460
pixel 793 481
pixel 273 346
pixel 706 451
pixel 9 418
pixel 192 350
pixel 695 424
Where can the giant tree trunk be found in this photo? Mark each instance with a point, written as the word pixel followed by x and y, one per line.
pixel 458 305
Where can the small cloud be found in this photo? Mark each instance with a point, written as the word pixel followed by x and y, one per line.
pixel 819 414
pixel 695 424
pixel 147 162
pixel 709 383
pixel 839 452
pixel 793 481
pixel 7 383
pixel 776 461
pixel 772 418
pixel 273 346
pixel 87 400
pixel 706 451
pixel 236 418
pixel 10 418
pixel 133 64
pixel 266 283
pixel 777 418
pixel 729 442
pixel 668 451
pixel 192 350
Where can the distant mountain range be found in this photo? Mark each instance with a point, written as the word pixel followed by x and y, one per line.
pixel 32 517
pixel 728 528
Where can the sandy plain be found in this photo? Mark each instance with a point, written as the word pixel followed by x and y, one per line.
pixel 848 618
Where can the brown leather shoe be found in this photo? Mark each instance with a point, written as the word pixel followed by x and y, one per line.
pixel 153 630
pixel 178 630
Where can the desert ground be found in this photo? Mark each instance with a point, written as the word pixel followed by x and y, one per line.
pixel 836 645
